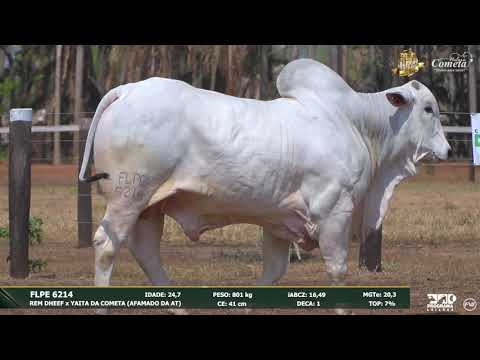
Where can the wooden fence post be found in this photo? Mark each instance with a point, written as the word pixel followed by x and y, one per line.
pixel 84 193
pixel 19 182
pixel 370 255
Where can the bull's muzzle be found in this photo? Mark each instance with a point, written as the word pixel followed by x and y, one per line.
pixel 443 153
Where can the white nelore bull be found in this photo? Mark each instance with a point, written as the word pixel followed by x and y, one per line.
pixel 313 167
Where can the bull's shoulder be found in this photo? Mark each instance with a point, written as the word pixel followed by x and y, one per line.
pixel 334 156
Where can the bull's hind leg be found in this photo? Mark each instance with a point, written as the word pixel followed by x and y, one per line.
pixel 110 235
pixel 144 244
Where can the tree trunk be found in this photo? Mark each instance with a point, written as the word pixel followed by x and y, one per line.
pixel 123 67
pixel 2 62
pixel 429 65
pixel 166 69
pixel 66 56
pixel 294 52
pixel 342 54
pixel 199 79
pixel 213 75
pixel 244 85
pixel 230 87
pixel 193 63
pixel 257 87
pixel 372 75
pixel 264 71
pixel 152 60
pixel 371 54
pixel 387 68
pixel 339 60
pixel 57 107
pixel 334 57
pixel 396 49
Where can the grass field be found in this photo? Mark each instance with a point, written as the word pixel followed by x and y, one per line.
pixel 431 243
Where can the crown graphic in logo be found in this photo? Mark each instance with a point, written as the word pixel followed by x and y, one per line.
pixel 408 64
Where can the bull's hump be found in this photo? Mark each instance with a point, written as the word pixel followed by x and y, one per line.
pixel 307 74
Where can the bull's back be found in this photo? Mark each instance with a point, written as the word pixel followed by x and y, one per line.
pixel 242 148
pixel 239 148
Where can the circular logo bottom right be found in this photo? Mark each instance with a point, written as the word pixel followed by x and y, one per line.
pixel 469 304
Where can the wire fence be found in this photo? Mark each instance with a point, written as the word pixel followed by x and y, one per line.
pixel 43 141
pixel 7 115
pixel 43 144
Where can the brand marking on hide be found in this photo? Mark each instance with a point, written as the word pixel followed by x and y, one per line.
pixel 131 184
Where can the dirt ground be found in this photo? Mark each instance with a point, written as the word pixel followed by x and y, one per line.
pixel 431 243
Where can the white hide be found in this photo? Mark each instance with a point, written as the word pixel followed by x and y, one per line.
pixel 299 166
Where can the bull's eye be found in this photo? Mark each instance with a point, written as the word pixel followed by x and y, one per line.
pixel 429 110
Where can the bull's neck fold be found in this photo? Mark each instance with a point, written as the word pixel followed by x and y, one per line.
pixel 378 123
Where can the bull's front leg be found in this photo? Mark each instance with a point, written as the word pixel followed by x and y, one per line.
pixel 333 237
pixel 276 253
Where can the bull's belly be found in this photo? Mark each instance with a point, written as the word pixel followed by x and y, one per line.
pixel 197 213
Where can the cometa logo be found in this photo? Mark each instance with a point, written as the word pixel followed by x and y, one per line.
pixel 455 62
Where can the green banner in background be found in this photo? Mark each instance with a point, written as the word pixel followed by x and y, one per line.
pixel 475 122
pixel 205 297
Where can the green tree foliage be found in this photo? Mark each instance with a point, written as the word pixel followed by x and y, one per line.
pixel 27 74
pixel 35 231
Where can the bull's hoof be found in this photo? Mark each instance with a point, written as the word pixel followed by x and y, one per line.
pixel 101 312
pixel 344 312
pixel 178 312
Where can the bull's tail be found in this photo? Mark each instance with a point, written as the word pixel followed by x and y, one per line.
pixel 106 101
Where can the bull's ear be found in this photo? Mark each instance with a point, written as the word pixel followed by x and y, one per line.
pixel 399 97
